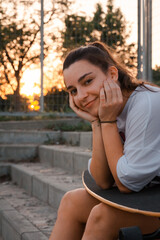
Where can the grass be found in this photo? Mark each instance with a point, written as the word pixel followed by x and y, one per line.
pixel 80 126
pixel 55 126
pixel 27 117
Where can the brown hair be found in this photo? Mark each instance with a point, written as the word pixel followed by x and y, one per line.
pixel 101 55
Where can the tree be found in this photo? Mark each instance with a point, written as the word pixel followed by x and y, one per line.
pixel 109 27
pixel 56 100
pixel 19 39
pixel 115 34
pixel 78 30
pixel 156 75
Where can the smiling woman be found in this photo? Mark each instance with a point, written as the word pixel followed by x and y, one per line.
pixel 102 91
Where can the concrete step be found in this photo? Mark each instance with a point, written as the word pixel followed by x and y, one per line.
pixel 72 159
pixel 38 124
pixel 82 139
pixel 5 170
pixel 46 184
pixel 44 136
pixel 23 217
pixel 28 136
pixel 23 145
pixel 18 152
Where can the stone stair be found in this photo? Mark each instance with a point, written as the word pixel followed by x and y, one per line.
pixel 31 191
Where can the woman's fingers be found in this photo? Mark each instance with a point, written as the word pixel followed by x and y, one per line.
pixel 110 101
pixel 113 92
pixel 102 96
pixel 108 91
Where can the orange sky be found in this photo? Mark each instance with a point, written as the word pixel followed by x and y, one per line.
pixel 31 78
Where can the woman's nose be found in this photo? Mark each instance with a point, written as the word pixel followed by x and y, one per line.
pixel 82 95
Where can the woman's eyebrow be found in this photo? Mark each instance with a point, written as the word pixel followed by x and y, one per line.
pixel 82 77
pixel 79 79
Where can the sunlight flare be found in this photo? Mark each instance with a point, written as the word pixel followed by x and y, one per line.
pixel 30 83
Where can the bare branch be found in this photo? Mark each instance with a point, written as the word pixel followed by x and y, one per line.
pixel 9 59
pixel 30 45
pixel 6 75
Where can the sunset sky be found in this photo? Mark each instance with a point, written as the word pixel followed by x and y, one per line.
pixel 87 7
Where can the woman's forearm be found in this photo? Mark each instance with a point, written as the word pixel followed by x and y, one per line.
pixel 99 166
pixel 113 149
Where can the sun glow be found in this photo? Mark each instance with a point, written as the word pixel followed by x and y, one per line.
pixel 30 82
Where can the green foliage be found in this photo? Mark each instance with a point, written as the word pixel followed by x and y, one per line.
pixel 26 117
pixel 9 104
pixel 15 118
pixel 109 27
pixel 81 126
pixel 77 31
pixel 56 100
pixel 156 75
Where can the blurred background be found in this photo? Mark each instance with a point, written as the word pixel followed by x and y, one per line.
pixel 35 36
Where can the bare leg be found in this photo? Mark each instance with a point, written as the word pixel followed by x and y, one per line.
pixel 73 213
pixel 104 223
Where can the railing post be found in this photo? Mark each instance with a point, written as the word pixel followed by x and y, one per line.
pixel 42 57
pixel 145 30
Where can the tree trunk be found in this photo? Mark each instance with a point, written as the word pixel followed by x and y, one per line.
pixel 17 97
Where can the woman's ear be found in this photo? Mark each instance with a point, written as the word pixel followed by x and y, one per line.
pixel 113 73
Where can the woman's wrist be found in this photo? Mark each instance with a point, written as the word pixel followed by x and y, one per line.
pixel 95 120
pixel 111 121
pixel 102 122
pixel 95 123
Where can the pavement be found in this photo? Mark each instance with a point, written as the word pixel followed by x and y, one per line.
pixel 22 214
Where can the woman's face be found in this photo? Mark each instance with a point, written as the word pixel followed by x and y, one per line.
pixel 83 81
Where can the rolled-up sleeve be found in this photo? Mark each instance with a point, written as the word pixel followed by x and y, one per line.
pixel 89 165
pixel 136 173
pixel 141 160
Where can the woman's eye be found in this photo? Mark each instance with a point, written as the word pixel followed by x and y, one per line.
pixel 73 92
pixel 88 81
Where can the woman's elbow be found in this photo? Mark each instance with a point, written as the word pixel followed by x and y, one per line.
pixel 124 189
pixel 105 184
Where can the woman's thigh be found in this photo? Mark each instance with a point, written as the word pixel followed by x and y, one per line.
pixel 108 220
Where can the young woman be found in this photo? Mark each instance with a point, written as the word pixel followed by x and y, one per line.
pixel 103 92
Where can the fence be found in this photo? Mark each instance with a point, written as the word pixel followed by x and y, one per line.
pixel 35 36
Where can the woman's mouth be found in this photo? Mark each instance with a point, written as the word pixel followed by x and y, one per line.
pixel 89 104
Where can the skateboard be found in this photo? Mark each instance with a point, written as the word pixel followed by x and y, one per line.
pixel 146 202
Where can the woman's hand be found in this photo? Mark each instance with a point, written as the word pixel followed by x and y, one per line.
pixel 111 101
pixel 85 115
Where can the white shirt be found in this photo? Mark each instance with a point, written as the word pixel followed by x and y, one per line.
pixel 140 121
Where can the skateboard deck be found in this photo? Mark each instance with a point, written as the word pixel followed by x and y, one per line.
pixel 146 202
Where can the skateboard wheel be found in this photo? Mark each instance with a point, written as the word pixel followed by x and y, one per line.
pixel 130 233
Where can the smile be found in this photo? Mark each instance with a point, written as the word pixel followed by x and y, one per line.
pixel 89 104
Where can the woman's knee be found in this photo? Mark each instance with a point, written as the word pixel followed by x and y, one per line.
pixel 103 214
pixel 77 203
pixel 71 202
pixel 100 223
pixel 67 201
